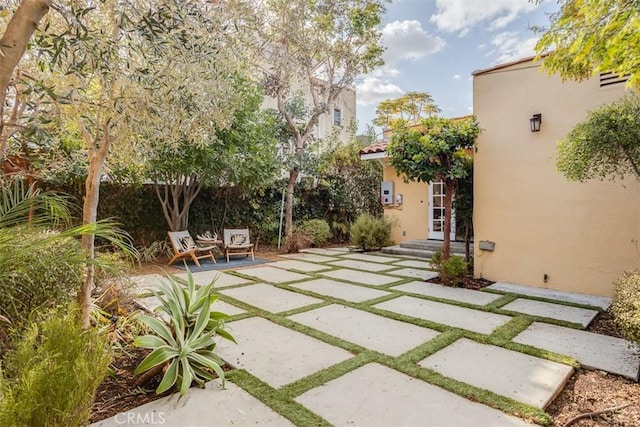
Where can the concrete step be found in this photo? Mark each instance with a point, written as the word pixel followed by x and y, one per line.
pixel 431 245
pixel 420 249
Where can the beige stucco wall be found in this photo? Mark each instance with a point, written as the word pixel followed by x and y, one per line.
pixel 412 216
pixel 582 235
pixel 346 103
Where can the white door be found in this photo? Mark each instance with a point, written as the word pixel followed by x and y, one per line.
pixel 436 213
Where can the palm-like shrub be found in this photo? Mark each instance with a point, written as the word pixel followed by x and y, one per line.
pixel 186 343
pixel 37 265
pixel 369 233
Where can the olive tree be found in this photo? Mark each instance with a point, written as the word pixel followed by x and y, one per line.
pixel 317 48
pixel 590 36
pixel 605 146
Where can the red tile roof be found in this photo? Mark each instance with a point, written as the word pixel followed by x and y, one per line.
pixel 379 146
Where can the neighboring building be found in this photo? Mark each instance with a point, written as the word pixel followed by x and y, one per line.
pixel 548 232
pixel 416 207
pixel 342 114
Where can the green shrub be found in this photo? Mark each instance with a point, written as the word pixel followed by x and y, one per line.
pixel 626 305
pixel 317 230
pixel 38 276
pixel 369 232
pixel 51 377
pixel 451 271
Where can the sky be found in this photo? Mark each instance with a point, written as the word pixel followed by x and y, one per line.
pixel 434 45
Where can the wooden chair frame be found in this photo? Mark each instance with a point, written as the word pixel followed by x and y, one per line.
pixel 185 247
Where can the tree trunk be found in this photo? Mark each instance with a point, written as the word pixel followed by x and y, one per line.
pixel 97 157
pixel 467 241
pixel 89 215
pixel 449 187
pixel 288 204
pixel 14 43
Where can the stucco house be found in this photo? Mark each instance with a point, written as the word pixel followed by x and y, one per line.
pixel 532 226
pixel 416 207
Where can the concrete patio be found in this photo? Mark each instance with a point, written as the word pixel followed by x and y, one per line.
pixel 328 337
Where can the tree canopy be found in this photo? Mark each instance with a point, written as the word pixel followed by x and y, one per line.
pixel 409 108
pixel 436 149
pixel 590 36
pixel 605 146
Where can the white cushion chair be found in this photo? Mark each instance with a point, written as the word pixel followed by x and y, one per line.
pixel 237 242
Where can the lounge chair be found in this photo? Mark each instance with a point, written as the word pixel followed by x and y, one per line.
pixel 237 242
pixel 185 247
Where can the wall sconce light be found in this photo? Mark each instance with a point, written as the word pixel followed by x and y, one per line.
pixel 535 122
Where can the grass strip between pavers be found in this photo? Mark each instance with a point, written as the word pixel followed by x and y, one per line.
pixel 287 407
pixel 475 394
pixel 543 299
pixel 282 400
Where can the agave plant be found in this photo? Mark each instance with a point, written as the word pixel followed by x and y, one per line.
pixel 185 344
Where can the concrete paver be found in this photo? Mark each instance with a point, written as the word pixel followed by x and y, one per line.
pixel 231 406
pixel 311 257
pixel 594 351
pixel 456 294
pixel 554 311
pixel 415 273
pixel 363 277
pixel 361 265
pixel 150 303
pixel 509 373
pixel 381 396
pixel 293 264
pixel 269 297
pixel 414 263
pixel 220 278
pixel 143 283
pixel 266 350
pixel 593 300
pixel 368 330
pixel 345 291
pixel 323 251
pixel 371 258
pixel 273 275
pixel 459 317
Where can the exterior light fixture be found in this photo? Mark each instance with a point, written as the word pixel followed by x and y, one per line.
pixel 535 122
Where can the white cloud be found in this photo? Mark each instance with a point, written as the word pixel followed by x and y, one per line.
pixel 509 46
pixel 408 40
pixel 372 90
pixel 462 15
pixel 456 77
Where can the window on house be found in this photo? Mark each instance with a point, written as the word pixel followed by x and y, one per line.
pixel 337 117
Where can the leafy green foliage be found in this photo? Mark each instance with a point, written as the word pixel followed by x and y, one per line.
pixel 606 145
pixel 463 206
pixel 436 149
pixel 44 275
pixel 626 304
pixel 318 231
pixel 407 109
pixel 51 377
pixel 369 232
pixel 187 343
pixel 590 36
pixel 451 270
